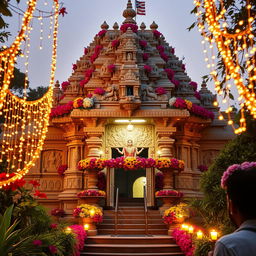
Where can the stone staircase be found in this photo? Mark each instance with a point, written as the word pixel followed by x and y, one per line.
pixel 131 238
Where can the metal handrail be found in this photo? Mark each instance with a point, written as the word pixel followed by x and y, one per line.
pixel 116 210
pixel 145 210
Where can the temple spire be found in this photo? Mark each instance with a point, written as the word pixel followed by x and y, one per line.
pixel 129 13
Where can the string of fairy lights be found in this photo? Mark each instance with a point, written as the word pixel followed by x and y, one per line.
pixel 25 122
pixel 234 48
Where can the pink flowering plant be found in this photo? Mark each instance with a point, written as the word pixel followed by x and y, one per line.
pixel 80 236
pixel 233 168
pixel 184 241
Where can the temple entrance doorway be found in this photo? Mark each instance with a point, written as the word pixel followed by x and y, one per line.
pixel 130 183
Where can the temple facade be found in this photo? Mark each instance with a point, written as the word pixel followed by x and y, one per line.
pixel 128 87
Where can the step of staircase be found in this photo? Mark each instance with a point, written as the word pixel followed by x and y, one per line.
pixel 131 245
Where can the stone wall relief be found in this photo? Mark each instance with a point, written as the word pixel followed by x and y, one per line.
pixel 148 93
pixel 51 160
pixel 112 93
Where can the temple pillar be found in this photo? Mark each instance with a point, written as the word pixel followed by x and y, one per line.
pixel 94 144
pixel 165 143
pixel 73 179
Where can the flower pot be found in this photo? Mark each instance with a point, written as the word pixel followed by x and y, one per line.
pixel 92 231
pixel 168 201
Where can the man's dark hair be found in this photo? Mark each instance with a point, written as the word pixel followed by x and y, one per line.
pixel 241 189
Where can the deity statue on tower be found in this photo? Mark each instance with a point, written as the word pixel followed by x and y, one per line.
pixel 130 150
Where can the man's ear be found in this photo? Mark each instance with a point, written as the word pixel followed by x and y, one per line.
pixel 232 209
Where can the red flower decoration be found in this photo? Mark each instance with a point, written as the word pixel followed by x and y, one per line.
pixel 160 91
pixel 145 56
pixel 111 68
pixel 40 194
pixel 35 183
pixel 133 27
pixel 63 11
pixel 65 85
pixel 115 43
pixel 157 34
pixel 53 226
pixel 85 51
pixel 61 169
pixel 102 33
pixel 52 249
pixel 99 91
pixel 143 43
pixel 148 68
pixel 37 242
pixel 74 67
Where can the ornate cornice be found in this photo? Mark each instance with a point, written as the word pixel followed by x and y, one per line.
pixel 77 113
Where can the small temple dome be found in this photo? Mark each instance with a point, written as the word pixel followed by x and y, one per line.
pixel 104 25
pixel 115 26
pixel 142 26
pixel 154 26
pixel 129 14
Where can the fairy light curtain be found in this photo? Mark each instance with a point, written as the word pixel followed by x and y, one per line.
pixel 24 123
pixel 235 45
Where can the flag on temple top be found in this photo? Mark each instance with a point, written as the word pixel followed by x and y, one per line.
pixel 140 7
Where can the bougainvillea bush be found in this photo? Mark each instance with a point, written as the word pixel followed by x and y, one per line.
pixel 26 228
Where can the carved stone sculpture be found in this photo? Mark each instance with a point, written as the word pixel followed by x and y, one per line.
pixel 148 93
pixel 111 93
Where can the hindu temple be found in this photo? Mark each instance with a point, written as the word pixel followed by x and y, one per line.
pixel 129 95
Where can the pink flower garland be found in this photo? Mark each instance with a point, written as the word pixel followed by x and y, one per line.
pixel 156 33
pixel 87 77
pixel 195 109
pixel 102 33
pixel 99 91
pixel 145 56
pixel 143 43
pixel 81 236
pixel 115 43
pixel 148 68
pixel 96 53
pixel 160 91
pixel 184 241
pixel 111 68
pixel 231 169
pixel 194 85
pixel 133 27
pixel 65 85
pixel 62 110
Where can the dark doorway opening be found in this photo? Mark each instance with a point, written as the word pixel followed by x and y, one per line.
pixel 124 180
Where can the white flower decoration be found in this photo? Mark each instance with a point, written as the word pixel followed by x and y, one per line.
pixel 88 102
pixel 172 101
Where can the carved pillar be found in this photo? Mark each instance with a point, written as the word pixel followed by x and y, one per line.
pixel 165 142
pixel 94 140
pixel 73 177
pixel 94 143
